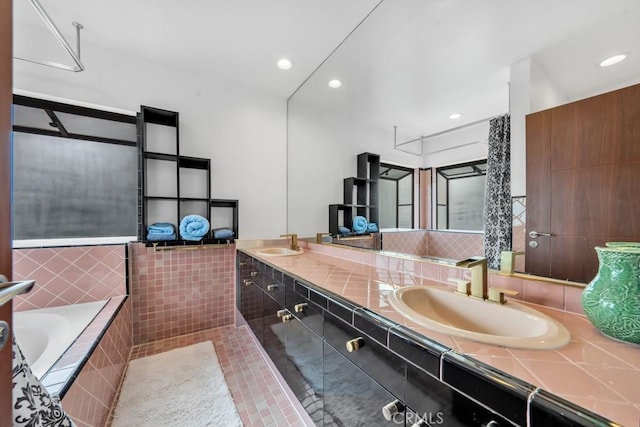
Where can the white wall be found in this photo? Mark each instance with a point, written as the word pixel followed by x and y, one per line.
pixel 242 130
pixel 323 146
pixel 531 90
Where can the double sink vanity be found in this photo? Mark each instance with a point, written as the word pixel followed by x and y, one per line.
pixel 369 339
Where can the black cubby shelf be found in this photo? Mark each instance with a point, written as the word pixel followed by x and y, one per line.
pixel 366 202
pixel 169 181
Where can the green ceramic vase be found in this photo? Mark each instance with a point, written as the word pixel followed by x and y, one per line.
pixel 611 300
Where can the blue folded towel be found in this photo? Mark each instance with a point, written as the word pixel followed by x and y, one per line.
pixel 343 230
pixel 360 224
pixel 222 233
pixel 161 228
pixel 194 227
pixel 154 237
pixel 372 227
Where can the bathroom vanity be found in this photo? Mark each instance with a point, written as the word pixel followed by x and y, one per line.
pixel 348 359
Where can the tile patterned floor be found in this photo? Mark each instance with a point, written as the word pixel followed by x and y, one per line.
pixel 261 399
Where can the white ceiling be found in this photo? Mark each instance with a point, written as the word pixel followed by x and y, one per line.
pixel 238 40
pixel 411 63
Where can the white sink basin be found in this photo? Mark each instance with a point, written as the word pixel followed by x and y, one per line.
pixel 509 325
pixel 278 251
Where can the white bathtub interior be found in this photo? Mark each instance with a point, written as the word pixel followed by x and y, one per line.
pixel 45 334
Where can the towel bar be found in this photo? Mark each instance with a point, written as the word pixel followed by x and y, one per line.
pixel 190 247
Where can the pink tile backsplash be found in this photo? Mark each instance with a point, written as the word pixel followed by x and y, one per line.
pixel 177 292
pixel 573 299
pixel 548 294
pixel 69 275
pixel 455 245
pixel 406 242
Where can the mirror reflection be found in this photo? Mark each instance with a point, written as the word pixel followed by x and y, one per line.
pixel 419 83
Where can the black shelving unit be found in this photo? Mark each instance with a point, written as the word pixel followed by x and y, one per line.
pixel 228 204
pixel 166 178
pixel 365 187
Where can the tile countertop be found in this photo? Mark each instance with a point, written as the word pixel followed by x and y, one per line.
pixel 592 371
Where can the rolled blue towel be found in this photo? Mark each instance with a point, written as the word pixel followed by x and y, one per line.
pixel 222 233
pixel 161 228
pixel 343 230
pixel 372 227
pixel 194 227
pixel 360 224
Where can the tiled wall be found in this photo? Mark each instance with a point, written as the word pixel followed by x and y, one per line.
pixel 69 275
pixel 519 226
pixel 176 292
pixel 406 242
pixel 90 397
pixel 455 245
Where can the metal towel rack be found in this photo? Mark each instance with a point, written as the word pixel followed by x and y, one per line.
pixel 157 248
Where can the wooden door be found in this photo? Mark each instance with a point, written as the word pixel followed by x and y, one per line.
pixel 5 192
pixel 583 182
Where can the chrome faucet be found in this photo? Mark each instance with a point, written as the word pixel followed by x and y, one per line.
pixel 294 241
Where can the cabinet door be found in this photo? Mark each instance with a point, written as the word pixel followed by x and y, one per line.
pixel 304 368
pixel 251 305
pixel 274 334
pixel 352 398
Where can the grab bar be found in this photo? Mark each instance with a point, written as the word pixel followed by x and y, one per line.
pixel 9 290
pixel 361 237
pixel 157 248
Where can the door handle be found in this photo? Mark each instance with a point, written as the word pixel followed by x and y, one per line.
pixel 535 234
pixel 8 290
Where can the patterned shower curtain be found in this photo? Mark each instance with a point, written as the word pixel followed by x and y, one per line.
pixel 497 205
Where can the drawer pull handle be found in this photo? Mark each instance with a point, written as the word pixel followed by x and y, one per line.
pixel 281 313
pixel 355 344
pixel 286 318
pixel 254 273
pixel 272 288
pixel 299 308
pixel 391 409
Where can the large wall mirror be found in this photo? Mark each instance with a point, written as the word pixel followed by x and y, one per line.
pixel 411 64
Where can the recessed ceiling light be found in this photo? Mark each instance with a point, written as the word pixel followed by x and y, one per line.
pixel 455 116
pixel 284 64
pixel 613 60
pixel 335 83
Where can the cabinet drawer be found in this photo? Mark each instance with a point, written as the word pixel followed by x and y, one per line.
pixel 351 397
pixel 374 359
pixel 273 285
pixel 298 303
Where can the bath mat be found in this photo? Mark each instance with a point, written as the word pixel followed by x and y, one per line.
pixel 181 387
